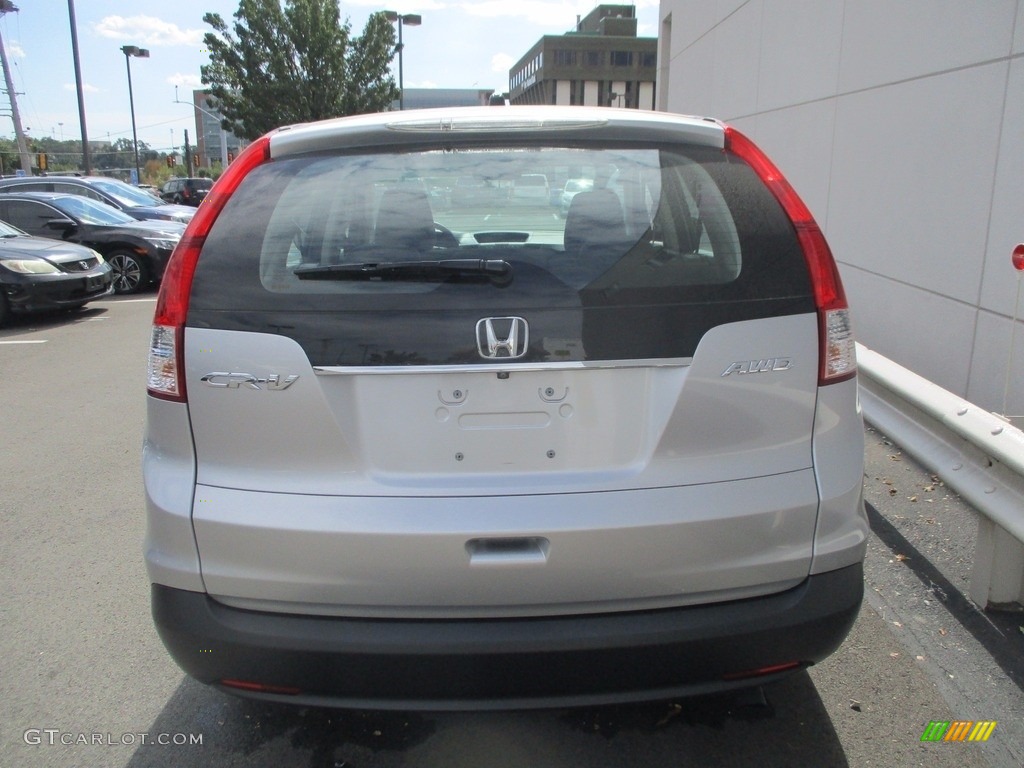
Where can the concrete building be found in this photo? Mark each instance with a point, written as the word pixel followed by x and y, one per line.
pixel 427 98
pixel 211 144
pixel 900 126
pixel 600 63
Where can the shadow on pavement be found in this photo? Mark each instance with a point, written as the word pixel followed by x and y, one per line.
pixel 998 633
pixel 31 322
pixel 791 728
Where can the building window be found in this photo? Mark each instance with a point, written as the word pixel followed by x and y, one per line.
pixel 622 58
pixel 648 60
pixel 564 58
pixel 594 58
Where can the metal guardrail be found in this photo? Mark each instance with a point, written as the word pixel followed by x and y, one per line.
pixel 976 453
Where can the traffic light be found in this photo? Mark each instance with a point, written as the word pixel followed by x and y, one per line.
pixel 41 161
pixel 231 156
pixel 171 161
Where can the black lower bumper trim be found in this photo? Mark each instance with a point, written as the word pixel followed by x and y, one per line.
pixel 68 292
pixel 507 663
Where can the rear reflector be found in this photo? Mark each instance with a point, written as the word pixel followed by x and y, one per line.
pixel 249 685
pixel 763 671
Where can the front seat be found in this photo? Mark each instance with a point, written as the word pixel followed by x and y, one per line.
pixel 595 233
pixel 405 223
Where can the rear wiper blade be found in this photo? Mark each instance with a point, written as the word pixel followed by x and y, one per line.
pixel 497 271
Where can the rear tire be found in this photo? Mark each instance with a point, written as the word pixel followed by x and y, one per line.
pixel 130 273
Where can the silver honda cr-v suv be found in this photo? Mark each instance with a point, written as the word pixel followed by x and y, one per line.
pixel 409 447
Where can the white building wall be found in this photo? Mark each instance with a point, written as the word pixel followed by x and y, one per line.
pixel 645 99
pixel 618 88
pixel 563 92
pixel 902 127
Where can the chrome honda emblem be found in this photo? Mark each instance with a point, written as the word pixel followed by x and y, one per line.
pixel 501 337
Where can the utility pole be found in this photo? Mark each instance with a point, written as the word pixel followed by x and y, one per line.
pixel 6 6
pixel 86 159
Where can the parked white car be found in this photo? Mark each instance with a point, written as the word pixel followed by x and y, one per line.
pixel 532 187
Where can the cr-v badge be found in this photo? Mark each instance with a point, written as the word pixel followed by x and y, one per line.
pixel 236 380
pixel 502 337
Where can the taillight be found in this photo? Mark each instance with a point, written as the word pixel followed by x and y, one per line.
pixel 166 378
pixel 838 357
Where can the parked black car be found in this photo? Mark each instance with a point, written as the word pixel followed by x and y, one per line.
pixel 136 202
pixel 137 251
pixel 38 273
pixel 185 191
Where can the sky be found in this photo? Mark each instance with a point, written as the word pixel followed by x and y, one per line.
pixel 459 45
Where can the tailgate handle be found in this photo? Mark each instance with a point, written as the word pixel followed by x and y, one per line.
pixel 525 550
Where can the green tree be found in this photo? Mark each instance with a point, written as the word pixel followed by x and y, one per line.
pixel 121 154
pixel 295 64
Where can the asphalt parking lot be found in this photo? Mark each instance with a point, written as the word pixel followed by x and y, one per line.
pixel 85 681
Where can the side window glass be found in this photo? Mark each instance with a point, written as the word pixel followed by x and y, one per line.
pixel 31 217
pixel 74 189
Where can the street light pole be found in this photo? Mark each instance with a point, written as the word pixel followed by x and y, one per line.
pixel 413 20
pixel 142 53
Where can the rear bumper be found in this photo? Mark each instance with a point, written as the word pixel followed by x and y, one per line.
pixel 508 663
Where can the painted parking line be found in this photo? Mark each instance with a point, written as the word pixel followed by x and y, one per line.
pixel 31 341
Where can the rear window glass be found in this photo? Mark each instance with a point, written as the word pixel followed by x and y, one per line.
pixel 660 208
pixel 608 251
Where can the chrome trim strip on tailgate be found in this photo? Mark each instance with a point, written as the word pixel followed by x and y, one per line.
pixel 578 365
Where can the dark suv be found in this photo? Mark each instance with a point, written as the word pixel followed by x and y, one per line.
pixel 185 191
pixel 412 455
